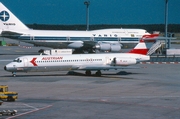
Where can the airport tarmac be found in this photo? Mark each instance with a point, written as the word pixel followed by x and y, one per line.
pixel 151 92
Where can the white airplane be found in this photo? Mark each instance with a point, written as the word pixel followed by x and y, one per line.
pixel 104 39
pixel 87 62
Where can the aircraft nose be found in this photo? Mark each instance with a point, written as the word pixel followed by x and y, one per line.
pixel 5 68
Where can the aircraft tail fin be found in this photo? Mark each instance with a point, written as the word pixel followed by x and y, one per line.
pixel 8 21
pixel 141 47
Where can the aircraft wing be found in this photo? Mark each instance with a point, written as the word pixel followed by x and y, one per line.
pixel 104 67
pixel 10 34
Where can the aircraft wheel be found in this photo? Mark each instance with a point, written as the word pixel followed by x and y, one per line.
pixel 88 72
pixel 14 74
pixel 98 73
pixel 10 98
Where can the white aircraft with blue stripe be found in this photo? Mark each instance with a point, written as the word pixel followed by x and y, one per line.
pixel 103 39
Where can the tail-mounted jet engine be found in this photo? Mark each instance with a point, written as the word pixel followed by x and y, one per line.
pixel 123 61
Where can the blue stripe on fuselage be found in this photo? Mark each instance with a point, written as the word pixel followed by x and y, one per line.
pixel 78 38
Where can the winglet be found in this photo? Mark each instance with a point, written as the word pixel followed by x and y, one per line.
pixel 141 47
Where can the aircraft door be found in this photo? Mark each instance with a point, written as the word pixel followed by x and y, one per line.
pixel 68 38
pixel 108 61
pixel 119 39
pixel 31 37
pixel 126 32
pixel 92 39
pixel 25 60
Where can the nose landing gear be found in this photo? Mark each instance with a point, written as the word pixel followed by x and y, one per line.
pixel 14 74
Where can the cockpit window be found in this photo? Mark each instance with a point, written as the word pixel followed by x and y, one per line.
pixel 17 60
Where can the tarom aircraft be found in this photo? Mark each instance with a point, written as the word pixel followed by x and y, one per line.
pixel 104 39
pixel 87 62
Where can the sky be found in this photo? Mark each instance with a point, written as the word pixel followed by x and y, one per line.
pixel 72 12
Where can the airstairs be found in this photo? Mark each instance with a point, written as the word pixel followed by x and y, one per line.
pixel 154 47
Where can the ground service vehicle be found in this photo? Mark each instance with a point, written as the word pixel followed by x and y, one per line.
pixel 7 95
pixel 1 102
pixel 8 112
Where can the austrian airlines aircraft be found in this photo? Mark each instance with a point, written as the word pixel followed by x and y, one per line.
pixel 87 62
pixel 104 39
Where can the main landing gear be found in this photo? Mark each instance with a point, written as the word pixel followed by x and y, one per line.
pixel 88 73
pixel 98 73
pixel 14 74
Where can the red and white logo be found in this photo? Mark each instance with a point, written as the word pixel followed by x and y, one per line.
pixel 33 61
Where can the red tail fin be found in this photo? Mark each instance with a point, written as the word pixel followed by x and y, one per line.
pixel 141 47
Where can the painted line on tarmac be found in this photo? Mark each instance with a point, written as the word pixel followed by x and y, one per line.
pixel 30 112
pixel 31 106
pixel 159 62
pixel 136 97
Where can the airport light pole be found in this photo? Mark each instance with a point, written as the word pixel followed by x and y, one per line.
pixel 166 23
pixel 87 3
